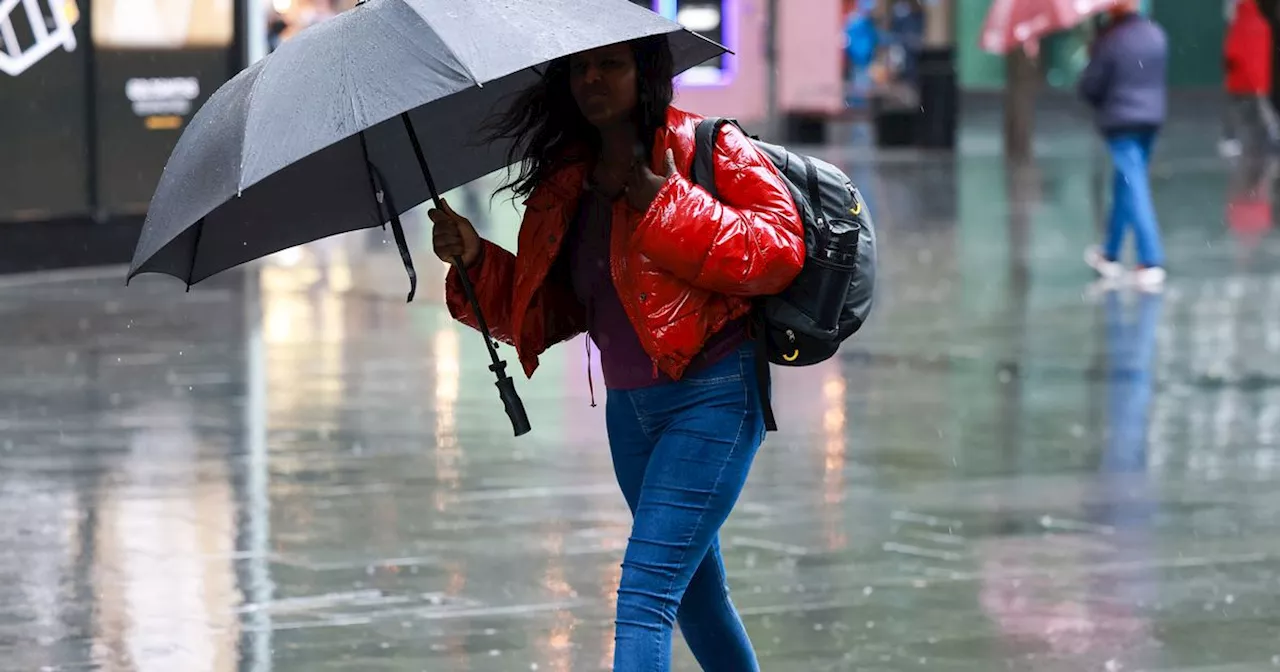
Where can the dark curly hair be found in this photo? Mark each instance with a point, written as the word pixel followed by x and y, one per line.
pixel 543 121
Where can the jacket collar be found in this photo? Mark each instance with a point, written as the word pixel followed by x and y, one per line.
pixel 565 183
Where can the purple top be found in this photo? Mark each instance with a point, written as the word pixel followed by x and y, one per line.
pixel 623 359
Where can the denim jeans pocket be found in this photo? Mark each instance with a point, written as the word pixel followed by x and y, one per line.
pixel 703 379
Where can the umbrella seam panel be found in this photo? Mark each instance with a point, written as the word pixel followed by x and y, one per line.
pixel 248 104
pixel 452 52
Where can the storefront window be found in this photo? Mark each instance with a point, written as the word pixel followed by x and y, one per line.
pixel 173 24
pixel 49 26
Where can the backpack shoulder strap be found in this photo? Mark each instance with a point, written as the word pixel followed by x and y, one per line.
pixel 764 378
pixel 704 152
pixel 814 190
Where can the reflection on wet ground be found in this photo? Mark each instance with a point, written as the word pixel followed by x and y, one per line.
pixel 290 469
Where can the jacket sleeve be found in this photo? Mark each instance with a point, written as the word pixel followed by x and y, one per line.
pixel 558 311
pixel 1096 78
pixel 749 243
pixel 492 278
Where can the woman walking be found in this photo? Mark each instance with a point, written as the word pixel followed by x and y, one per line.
pixel 618 242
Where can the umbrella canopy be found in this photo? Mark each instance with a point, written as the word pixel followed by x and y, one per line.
pixel 364 116
pixel 282 153
pixel 1012 23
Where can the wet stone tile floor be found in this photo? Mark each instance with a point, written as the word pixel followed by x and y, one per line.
pixel 290 469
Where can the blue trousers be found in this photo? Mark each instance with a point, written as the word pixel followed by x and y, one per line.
pixel 1131 204
pixel 681 453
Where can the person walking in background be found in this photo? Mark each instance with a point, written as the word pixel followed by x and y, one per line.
pixel 862 41
pixel 278 29
pixel 905 38
pixel 1250 118
pixel 1125 85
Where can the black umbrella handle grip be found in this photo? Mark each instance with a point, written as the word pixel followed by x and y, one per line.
pixel 515 407
pixel 506 386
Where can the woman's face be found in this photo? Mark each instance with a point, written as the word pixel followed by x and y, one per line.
pixel 603 84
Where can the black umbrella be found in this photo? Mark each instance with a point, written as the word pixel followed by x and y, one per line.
pixel 362 117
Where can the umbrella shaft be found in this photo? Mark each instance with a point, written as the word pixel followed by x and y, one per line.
pixel 470 291
pixel 422 158
pixel 506 386
pixel 457 261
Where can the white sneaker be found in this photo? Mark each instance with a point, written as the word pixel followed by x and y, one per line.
pixel 1230 149
pixel 1149 279
pixel 1104 266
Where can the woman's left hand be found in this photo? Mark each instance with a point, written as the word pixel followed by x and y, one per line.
pixel 643 185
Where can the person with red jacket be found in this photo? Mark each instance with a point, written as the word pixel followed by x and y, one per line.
pixel 618 242
pixel 1248 80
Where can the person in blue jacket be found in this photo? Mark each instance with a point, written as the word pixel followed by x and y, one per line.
pixel 1125 84
pixel 862 39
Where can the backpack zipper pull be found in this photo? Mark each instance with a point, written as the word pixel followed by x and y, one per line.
pixel 795 352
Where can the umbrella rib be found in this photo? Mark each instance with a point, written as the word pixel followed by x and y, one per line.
pixel 195 252
pixel 248 106
pixel 452 52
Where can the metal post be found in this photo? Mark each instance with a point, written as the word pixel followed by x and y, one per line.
pixel 773 124
pixel 255 530
pixel 255 30
pixel 939 23
pixel 939 92
pixel 1022 80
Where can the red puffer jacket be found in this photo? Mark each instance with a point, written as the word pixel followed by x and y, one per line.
pixel 1248 51
pixel 683 268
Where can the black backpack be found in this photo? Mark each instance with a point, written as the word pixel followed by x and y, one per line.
pixel 831 298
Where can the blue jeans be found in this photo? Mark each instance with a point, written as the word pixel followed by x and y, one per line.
pixel 681 452
pixel 1131 198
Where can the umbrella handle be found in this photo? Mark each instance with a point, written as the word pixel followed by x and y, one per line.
pixel 511 400
pixel 506 386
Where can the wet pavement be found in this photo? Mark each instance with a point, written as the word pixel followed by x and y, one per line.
pixel 290 469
